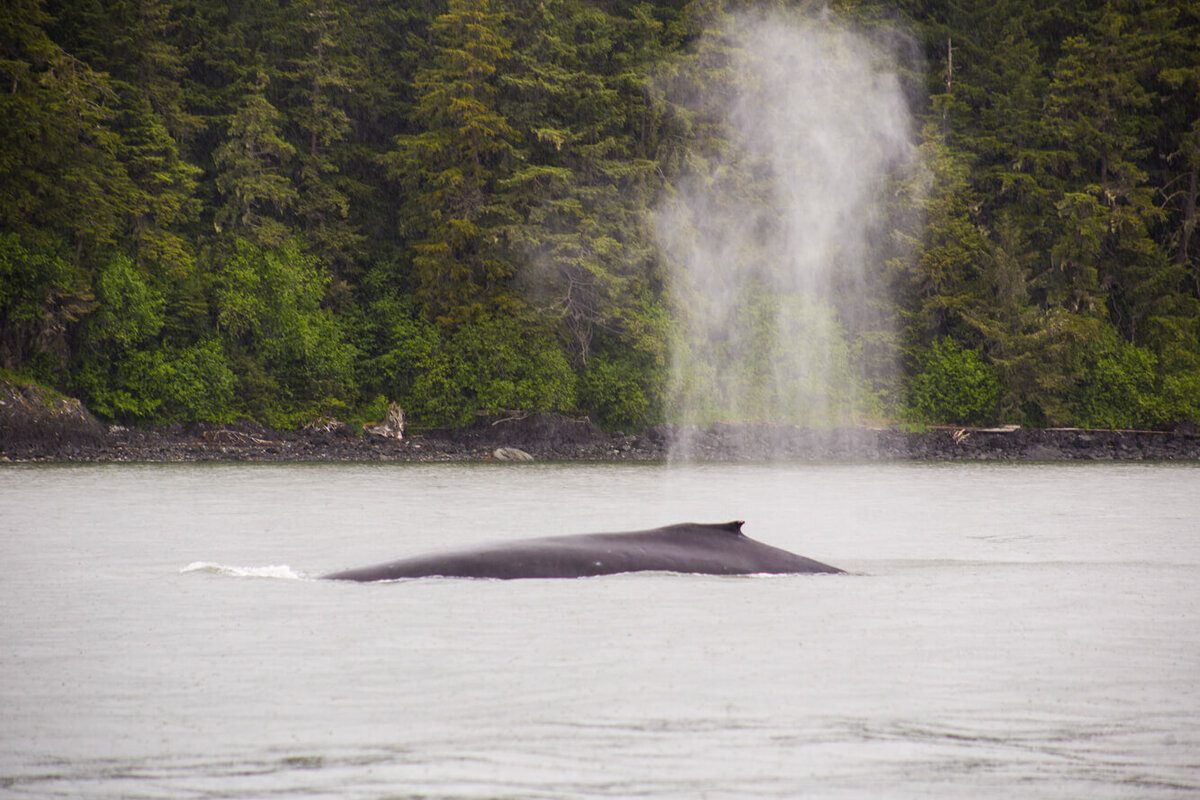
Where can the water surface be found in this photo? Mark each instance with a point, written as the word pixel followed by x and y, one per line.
pixel 1007 631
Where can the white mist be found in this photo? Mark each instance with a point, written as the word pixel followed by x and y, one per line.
pixel 774 235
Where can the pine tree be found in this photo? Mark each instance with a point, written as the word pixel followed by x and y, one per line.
pixel 320 76
pixel 58 150
pixel 451 165
pixel 583 190
pixel 1176 172
pixel 163 203
pixel 252 174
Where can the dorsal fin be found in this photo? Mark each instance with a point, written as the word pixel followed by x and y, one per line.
pixel 692 528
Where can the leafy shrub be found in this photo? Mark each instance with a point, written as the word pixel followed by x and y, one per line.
pixel 780 357
pixel 507 366
pixel 115 367
pixel 611 390
pixel 501 364
pixel 289 353
pixel 129 311
pixel 953 385
pixel 1123 385
pixel 39 293
pixel 1180 398
pixel 194 383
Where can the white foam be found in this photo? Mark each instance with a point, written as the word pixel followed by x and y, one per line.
pixel 282 571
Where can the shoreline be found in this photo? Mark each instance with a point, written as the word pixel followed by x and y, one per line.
pixel 37 426
pixel 546 437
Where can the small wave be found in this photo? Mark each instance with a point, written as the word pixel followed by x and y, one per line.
pixel 282 571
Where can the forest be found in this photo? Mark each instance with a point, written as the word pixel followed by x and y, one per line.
pixel 288 210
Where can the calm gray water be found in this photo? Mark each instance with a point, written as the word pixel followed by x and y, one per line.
pixel 1009 631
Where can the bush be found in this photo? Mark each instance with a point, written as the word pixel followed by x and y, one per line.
pixel 159 385
pixel 194 383
pixel 507 366
pixel 491 367
pixel 954 386
pixel 611 390
pixel 40 294
pixel 114 371
pixel 1180 398
pixel 1122 385
pixel 289 353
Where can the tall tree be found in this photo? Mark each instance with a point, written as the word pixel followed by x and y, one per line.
pixel 252 176
pixel 1177 173
pixel 321 77
pixel 451 166
pixel 59 155
pixel 576 88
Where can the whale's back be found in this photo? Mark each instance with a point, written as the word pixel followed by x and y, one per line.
pixel 688 547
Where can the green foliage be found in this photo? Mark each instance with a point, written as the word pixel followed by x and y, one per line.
pixel 127 373
pixel 194 383
pixel 251 178
pixel 284 210
pixel 494 367
pixel 40 295
pixel 59 163
pixel 374 410
pixel 1123 385
pixel 129 312
pixel 162 199
pixel 507 366
pixel 289 352
pixel 778 354
pixel 612 390
pixel 114 373
pixel 161 385
pixel 450 166
pixel 1054 231
pixel 953 385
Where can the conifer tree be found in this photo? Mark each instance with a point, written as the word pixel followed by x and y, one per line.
pixel 451 165
pixel 1176 173
pixel 583 188
pixel 321 77
pixel 163 201
pixel 58 151
pixel 251 174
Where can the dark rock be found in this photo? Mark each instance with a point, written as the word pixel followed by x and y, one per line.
pixel 36 418
pixel 546 429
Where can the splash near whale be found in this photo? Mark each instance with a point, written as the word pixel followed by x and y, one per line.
pixel 720 549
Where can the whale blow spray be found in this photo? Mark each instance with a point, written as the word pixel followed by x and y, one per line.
pixel 776 231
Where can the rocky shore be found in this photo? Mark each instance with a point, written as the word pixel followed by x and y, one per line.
pixel 37 427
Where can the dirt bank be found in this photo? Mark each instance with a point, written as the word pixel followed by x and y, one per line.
pixel 542 436
pixel 34 428
pixel 941 443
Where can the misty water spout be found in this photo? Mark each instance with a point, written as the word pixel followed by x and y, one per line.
pixel 775 233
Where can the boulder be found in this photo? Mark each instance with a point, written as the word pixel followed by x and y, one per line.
pixel 511 454
pixel 33 416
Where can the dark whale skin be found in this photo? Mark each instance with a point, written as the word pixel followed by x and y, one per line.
pixel 720 549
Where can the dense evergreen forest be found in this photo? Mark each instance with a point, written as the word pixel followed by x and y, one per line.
pixel 289 209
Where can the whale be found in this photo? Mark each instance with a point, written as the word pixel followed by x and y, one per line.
pixel 710 549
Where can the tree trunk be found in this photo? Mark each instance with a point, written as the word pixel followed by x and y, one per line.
pixel 1189 221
